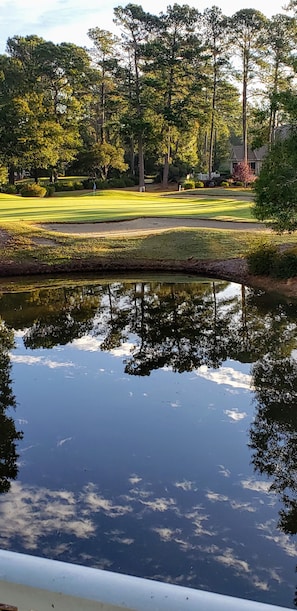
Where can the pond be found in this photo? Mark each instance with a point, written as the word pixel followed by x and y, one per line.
pixel 149 427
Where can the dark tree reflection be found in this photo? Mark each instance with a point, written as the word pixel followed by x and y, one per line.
pixel 273 433
pixel 8 433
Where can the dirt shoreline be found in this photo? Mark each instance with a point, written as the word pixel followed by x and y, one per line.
pixel 234 270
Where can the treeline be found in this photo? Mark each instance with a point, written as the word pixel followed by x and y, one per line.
pixel 163 97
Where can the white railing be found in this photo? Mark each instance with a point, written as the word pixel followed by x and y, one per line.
pixel 30 583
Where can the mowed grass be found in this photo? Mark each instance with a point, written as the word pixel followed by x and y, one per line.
pixel 28 243
pixel 23 240
pixel 119 205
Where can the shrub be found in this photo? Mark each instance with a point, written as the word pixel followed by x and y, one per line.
pixel 33 190
pixel 189 184
pixel 285 265
pixel 238 183
pixel 199 184
pixel 116 183
pixel 50 190
pixel 9 189
pixel 243 173
pixel 225 183
pixel 77 185
pixel 262 260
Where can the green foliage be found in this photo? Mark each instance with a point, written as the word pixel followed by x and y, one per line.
pixel 3 175
pixel 267 260
pixel 69 185
pixel 225 183
pixel 111 183
pixel 261 260
pixel 50 190
pixel 276 187
pixel 33 190
pixel 189 184
pixel 10 189
pixel 199 184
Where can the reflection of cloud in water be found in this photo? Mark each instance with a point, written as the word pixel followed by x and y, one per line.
pixel 185 485
pixel 34 518
pixel 95 503
pixel 256 485
pixel 225 375
pixel 62 441
pixel 235 415
pixel 161 504
pixel 23 359
pixel 39 512
pixel 279 538
pixel 224 471
pixel 87 343
pixel 167 535
pixel 198 517
pixel 124 350
pixel 241 568
pixel 215 497
pixel 134 479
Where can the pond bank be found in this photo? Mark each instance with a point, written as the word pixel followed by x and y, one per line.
pixel 234 270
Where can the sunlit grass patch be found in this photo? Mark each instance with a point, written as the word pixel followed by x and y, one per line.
pixel 83 206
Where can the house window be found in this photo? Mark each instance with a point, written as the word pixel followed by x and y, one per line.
pixel 253 166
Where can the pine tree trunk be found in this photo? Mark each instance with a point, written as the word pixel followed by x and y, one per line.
pixel 11 178
pixel 166 166
pixel 141 163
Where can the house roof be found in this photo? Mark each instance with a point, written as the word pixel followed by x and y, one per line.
pixel 253 155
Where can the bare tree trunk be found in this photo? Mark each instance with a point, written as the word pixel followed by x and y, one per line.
pixel 166 165
pixel 11 178
pixel 244 109
pixel 141 163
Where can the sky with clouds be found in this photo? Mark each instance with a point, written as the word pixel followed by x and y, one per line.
pixel 69 20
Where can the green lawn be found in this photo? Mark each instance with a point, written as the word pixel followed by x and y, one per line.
pixel 24 241
pixel 115 205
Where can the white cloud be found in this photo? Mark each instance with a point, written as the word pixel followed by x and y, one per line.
pixel 23 359
pixel 159 504
pixel 185 485
pixel 124 350
pixel 38 513
pixel 87 343
pixel 224 471
pixel 282 540
pixel 256 485
pixel 235 415
pixel 134 479
pixel 69 20
pixel 214 496
pixel 225 375
pixel 95 502
pixel 61 443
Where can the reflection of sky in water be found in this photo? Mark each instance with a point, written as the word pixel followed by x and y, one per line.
pixel 149 476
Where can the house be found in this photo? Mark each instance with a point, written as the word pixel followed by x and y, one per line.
pixel 255 157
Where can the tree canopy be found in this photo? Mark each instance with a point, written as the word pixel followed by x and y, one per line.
pixel 160 96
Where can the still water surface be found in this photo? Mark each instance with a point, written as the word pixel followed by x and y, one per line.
pixel 150 428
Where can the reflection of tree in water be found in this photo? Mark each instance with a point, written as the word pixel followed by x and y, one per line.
pixel 8 433
pixel 60 315
pixel 273 434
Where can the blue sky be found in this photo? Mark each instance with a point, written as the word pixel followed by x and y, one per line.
pixel 69 20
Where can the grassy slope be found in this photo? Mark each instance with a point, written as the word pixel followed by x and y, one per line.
pixel 115 205
pixel 30 243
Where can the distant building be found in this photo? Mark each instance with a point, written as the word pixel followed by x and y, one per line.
pixel 255 157
pixel 282 132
